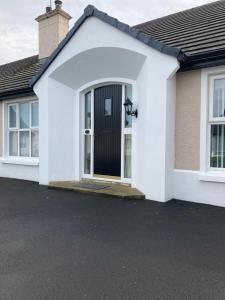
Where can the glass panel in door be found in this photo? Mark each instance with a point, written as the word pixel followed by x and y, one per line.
pixel 87 134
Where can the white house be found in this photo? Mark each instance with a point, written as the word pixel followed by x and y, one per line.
pixel 168 141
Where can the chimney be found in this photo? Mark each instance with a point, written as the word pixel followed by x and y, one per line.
pixel 53 26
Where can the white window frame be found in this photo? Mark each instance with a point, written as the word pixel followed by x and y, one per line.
pixel 213 120
pixel 7 158
pixel 126 131
pixel 208 76
pixel 211 99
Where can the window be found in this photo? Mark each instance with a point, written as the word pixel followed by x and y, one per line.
pixel 87 124
pixel 108 107
pixel 217 122
pixel 87 134
pixel 127 155
pixel 23 132
pixel 87 154
pixel 127 136
pixel 128 94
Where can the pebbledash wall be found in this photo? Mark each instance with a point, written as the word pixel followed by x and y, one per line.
pixel 188 105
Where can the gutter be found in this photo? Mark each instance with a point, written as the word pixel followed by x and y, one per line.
pixel 203 60
pixel 16 94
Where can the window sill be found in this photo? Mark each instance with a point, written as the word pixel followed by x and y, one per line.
pixel 20 161
pixel 212 176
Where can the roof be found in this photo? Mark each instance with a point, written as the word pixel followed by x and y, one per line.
pixel 196 37
pixel 197 31
pixel 194 31
pixel 91 11
pixel 15 76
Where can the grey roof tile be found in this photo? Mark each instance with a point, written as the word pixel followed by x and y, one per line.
pixel 197 30
pixel 15 76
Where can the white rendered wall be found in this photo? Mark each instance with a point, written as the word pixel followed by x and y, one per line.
pixel 18 171
pixel 156 103
pixel 91 56
pixel 188 186
pixel 56 132
pixel 61 124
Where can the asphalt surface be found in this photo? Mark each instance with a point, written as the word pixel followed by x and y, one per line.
pixel 62 245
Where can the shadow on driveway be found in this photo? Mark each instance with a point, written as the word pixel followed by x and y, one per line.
pixel 62 245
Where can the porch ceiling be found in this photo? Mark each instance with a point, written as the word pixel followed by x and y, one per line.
pixel 99 63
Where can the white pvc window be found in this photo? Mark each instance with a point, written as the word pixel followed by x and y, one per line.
pixel 23 129
pixel 13 116
pixel 87 133
pixel 87 122
pixel 108 107
pixel 217 122
pixel 127 155
pixel 127 136
pixel 128 94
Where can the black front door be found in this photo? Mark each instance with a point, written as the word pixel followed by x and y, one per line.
pixel 107 130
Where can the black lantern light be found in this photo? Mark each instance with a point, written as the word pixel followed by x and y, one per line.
pixel 129 108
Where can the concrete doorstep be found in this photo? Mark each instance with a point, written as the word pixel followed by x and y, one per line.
pixel 103 188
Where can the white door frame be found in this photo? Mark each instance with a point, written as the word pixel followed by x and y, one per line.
pixel 124 131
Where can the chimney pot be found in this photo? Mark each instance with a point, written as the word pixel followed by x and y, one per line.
pixel 48 9
pixel 58 4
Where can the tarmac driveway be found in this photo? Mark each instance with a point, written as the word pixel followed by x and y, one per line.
pixel 62 245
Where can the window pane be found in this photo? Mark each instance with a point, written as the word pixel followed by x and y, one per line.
pixel 87 154
pixel 127 155
pixel 108 107
pixel 219 98
pixel 13 143
pixel 128 94
pixel 24 115
pixel 24 143
pixel 88 111
pixel 34 114
pixel 35 143
pixel 217 157
pixel 12 116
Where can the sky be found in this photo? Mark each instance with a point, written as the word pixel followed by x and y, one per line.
pixel 19 32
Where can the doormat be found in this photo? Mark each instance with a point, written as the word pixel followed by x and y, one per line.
pixel 91 186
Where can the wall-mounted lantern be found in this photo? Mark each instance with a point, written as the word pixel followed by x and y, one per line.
pixel 129 108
